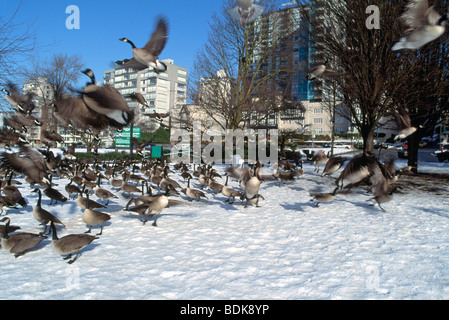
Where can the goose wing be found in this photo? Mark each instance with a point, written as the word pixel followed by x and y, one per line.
pixel 415 15
pixel 74 111
pixel 25 241
pixel 158 39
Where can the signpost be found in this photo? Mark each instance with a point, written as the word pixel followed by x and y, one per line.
pixel 123 139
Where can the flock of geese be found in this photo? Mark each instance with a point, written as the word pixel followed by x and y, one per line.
pixel 148 184
pixel 151 187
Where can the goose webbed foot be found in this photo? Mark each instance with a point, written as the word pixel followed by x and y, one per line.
pixel 74 259
pixel 68 257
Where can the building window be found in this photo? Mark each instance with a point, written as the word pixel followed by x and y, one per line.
pixel 318 120
pixel 317 110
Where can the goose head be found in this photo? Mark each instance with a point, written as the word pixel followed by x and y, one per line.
pixel 90 74
pixel 128 41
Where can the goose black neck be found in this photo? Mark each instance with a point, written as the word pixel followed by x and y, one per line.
pixel 54 234
pixel 5 231
pixel 132 44
pixel 39 193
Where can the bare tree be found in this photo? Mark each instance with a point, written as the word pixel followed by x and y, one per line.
pixel 240 72
pixel 425 94
pixel 60 73
pixel 17 44
pixel 339 30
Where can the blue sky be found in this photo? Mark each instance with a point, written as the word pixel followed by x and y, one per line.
pixel 102 23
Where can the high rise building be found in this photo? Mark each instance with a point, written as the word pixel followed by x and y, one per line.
pixel 164 93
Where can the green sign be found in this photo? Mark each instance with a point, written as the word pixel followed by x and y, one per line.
pixel 156 151
pixel 123 139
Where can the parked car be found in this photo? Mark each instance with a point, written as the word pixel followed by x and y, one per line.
pixel 422 144
pixel 342 145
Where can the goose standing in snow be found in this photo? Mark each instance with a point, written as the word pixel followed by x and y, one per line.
pixel 43 216
pixel 19 243
pixel 70 244
pixel 94 217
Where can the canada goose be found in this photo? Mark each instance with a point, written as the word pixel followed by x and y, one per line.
pixel 27 161
pixel 12 193
pixel 52 193
pixel 19 243
pixel 319 158
pixel 332 165
pixel 52 136
pixel 103 194
pixel 424 24
pixel 94 217
pixel 323 71
pixel 70 244
pixel 159 203
pixel 72 189
pixel 229 192
pixel 8 230
pixel 253 201
pixel 249 181
pixel 129 188
pixel 138 97
pixel 382 198
pixel 26 120
pixel 147 57
pixel 193 193
pixel 42 215
pixel 73 112
pixel 24 103
pixel 107 101
pixel 246 10
pixel 323 196
pixel 358 168
pixel 82 202
pixel 403 123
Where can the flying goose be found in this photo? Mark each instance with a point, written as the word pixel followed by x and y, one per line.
pixel 246 11
pixel 357 169
pixel 107 101
pixel 94 217
pixel 147 57
pixel 73 112
pixel 332 165
pixel 70 244
pixel 323 71
pixel 424 24
pixel 319 158
pixel 403 123
pixel 24 103
pixel 42 215
pixel 27 161
pixel 19 243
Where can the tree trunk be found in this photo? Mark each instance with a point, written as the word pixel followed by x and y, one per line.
pixel 413 148
pixel 368 140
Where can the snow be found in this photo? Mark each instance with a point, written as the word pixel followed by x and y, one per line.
pixel 285 250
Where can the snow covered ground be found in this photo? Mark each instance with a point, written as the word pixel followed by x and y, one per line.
pixel 286 249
